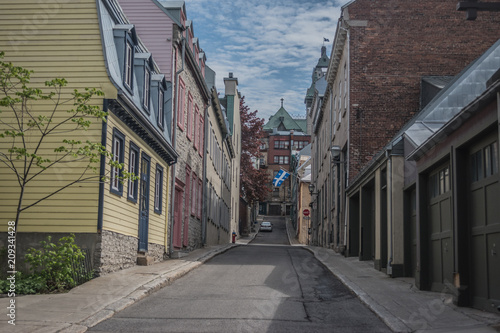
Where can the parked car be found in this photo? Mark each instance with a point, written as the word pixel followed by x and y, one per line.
pixel 266 226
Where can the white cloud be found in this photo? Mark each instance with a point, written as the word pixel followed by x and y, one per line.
pixel 271 46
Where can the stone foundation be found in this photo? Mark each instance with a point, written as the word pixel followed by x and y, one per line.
pixel 156 251
pixel 115 252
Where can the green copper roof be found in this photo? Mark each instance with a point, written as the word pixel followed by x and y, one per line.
pixel 302 123
pixel 283 121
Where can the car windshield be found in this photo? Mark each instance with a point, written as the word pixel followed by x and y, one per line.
pixel 266 223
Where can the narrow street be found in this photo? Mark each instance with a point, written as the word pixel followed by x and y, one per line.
pixel 266 286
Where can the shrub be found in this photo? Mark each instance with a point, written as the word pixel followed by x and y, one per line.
pixel 59 265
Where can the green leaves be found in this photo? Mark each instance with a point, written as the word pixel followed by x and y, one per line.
pixel 58 264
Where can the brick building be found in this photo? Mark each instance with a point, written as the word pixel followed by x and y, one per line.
pixel 284 138
pixel 381 53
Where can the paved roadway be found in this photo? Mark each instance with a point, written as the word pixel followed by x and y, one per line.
pixel 266 286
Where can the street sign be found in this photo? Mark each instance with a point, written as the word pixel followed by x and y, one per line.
pixel 306 212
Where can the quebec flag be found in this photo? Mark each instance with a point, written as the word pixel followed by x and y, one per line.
pixel 280 177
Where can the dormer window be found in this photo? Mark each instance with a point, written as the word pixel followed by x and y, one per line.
pixel 160 108
pixel 129 65
pixel 147 87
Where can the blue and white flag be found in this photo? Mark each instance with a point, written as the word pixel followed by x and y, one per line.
pixel 280 178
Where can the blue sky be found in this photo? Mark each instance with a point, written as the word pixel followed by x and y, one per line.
pixel 271 46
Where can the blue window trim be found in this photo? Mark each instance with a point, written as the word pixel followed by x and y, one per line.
pixel 161 102
pixel 133 147
pixel 129 41
pixel 121 137
pixel 160 195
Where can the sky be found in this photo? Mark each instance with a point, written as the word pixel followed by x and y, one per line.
pixel 271 46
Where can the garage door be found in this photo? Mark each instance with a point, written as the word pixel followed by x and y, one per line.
pixel 440 229
pixel 484 219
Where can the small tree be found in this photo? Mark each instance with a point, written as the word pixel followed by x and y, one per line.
pixel 29 131
pixel 253 181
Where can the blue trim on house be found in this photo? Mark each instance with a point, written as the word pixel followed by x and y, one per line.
pixel 102 170
pixel 121 158
pixel 159 168
pixel 134 147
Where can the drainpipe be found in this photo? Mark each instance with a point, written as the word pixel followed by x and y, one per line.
pixel 389 186
pixel 174 144
pixel 346 157
pixel 102 169
pixel 204 216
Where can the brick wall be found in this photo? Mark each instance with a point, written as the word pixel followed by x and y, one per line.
pixel 401 42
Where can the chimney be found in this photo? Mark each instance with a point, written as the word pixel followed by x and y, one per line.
pixel 231 84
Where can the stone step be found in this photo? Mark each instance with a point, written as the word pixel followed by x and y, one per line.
pixel 144 260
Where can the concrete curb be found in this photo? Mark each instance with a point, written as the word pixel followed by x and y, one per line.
pixel 395 324
pixel 143 291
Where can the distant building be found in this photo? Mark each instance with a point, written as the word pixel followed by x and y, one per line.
pixel 284 138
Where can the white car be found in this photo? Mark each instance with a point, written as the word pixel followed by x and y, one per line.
pixel 266 226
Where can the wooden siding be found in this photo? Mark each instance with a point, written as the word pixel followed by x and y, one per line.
pixel 122 215
pixel 154 27
pixel 55 40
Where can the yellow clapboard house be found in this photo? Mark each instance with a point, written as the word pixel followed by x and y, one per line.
pixel 92 44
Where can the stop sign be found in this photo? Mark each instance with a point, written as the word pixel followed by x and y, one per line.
pixel 306 212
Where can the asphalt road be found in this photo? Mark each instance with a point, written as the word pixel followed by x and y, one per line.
pixel 266 286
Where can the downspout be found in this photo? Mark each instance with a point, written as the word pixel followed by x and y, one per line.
pixel 174 144
pixel 346 157
pixel 204 216
pixel 389 186
pixel 102 171
pixel 222 188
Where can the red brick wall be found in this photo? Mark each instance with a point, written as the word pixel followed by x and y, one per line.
pixel 403 41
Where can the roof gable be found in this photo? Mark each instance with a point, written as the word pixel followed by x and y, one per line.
pixel 283 121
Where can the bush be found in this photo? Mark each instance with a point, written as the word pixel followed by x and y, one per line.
pixel 25 284
pixel 59 265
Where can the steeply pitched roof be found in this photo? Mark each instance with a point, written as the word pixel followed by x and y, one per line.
pixel 282 117
pixel 302 123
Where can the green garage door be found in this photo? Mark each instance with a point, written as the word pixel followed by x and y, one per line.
pixel 484 217
pixel 440 229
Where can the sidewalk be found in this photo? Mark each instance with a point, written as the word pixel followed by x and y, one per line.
pixel 397 301
pixel 99 299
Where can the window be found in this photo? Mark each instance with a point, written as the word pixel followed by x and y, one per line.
pixel 484 162
pixel 196 127
pixel 118 157
pixel 158 189
pixel 276 144
pixel 201 135
pixel 129 65
pixel 147 88
pixel 190 117
pixel 161 103
pixel 133 163
pixel 276 159
pixel 180 104
pixel 439 182
pixel 276 192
